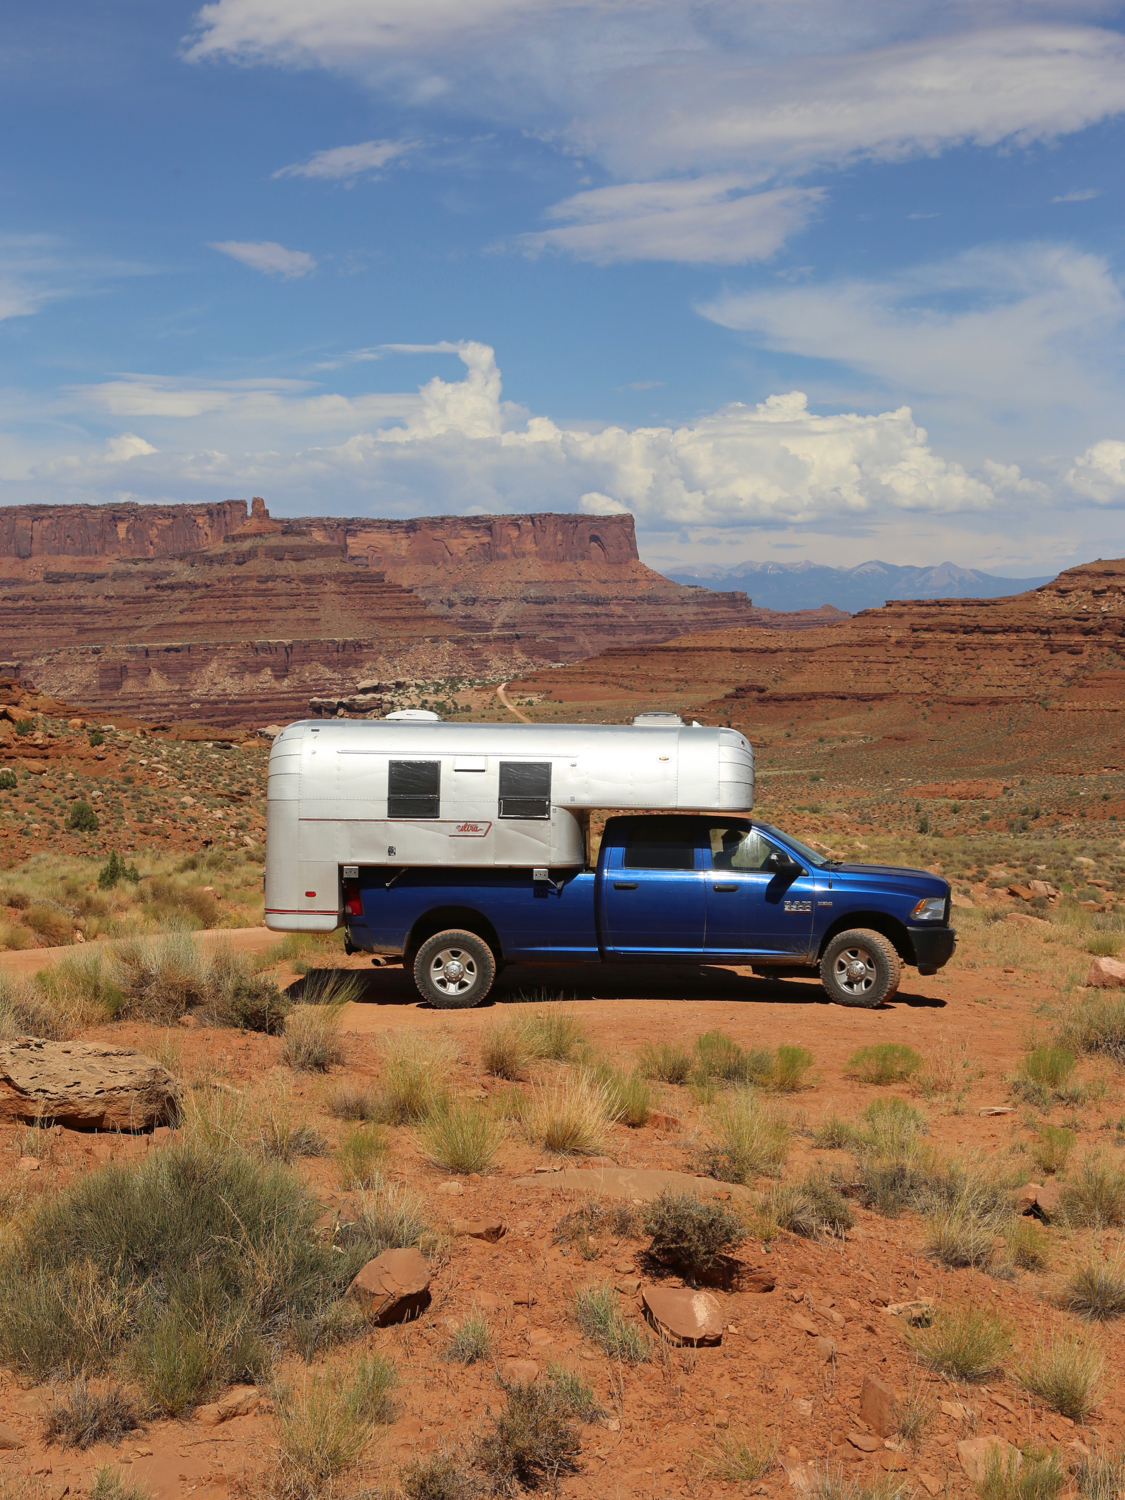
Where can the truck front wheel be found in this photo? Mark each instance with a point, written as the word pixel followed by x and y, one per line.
pixel 860 968
pixel 454 970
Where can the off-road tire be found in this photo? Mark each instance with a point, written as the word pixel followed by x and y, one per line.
pixel 842 978
pixel 440 984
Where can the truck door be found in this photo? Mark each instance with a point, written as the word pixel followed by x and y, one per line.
pixel 751 909
pixel 653 889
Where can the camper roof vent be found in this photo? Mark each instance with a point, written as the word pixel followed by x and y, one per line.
pixel 415 715
pixel 658 717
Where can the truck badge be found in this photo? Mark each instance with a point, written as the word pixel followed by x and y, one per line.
pixel 798 906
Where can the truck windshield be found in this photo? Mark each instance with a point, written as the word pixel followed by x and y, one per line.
pixel 802 851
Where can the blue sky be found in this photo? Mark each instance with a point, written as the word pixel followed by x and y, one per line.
pixel 786 279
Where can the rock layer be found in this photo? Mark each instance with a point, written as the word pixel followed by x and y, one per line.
pixel 86 1085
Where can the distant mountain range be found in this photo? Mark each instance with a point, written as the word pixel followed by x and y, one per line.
pixel 805 585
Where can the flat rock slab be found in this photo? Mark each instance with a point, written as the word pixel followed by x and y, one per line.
pixel 879 1406
pixel 637 1184
pixel 392 1288
pixel 480 1229
pixel 976 1455
pixel 86 1085
pixel 684 1316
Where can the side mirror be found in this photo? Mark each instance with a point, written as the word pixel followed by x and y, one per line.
pixel 781 863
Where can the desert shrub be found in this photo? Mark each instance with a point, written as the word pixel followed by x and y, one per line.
pixel 79 1417
pixel 96 738
pixel 1065 1372
pixel 311 1038
pixel 1028 1247
pixel 415 1078
pixel 576 1394
pixel 967 1343
pixel 509 1104
pixel 666 1063
pixel 742 1459
pixel 569 1115
pixel 8 783
pixel 334 988
pixel 719 1059
pixel 1096 1289
pixel 1043 1074
pixel 628 1096
pixel 961 1233
pixel 115 870
pixel 810 1208
pixel 50 922
pixel 461 1137
pixel 26 1011
pixel 607 1216
pixel 1104 945
pixel 162 980
pixel 503 1051
pixel 1033 1478
pixel 833 1133
pixel 15 936
pixel 598 1315
pixel 884 1062
pixel 1097 1024
pixel 325 1426
pixel 436 1477
pixel 830 1483
pixel 1052 1147
pixel 279 1137
pixel 471 1341
pixel 176 1267
pixel 391 1218
pixel 1095 1197
pixel 533 1439
pixel 353 1101
pixel 361 1154
pixel 690 1232
pixel 895 1167
pixel 82 818
pixel 109 1484
pixel 1100 1475
pixel 550 1035
pixel 751 1140
pixel 787 1069
pixel 889 1128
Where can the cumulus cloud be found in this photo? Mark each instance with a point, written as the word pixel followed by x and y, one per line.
pixel 267 256
pixel 1099 473
pixel 708 219
pixel 993 330
pixel 347 163
pixel 458 445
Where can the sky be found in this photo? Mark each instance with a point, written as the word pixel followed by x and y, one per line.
pixel 786 279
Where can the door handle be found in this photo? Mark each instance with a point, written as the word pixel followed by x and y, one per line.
pixel 624 885
pixel 726 886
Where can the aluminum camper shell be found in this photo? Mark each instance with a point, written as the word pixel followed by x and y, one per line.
pixel 442 794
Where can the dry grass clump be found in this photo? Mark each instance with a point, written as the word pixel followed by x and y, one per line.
pixel 967 1343
pixel 353 1101
pixel 719 1059
pixel 415 1077
pixel 1028 1247
pixel 1035 1478
pixel 1052 1147
pixel 961 1232
pixel 604 1216
pixel 551 1034
pixel 437 1477
pixel 311 1038
pixel 471 1341
pixel 1044 1075
pixel 576 1394
pixel 811 1208
pixel 109 1484
pixel 666 1062
pixel 916 1413
pixel 324 1426
pixel 1097 1025
pixel 461 1137
pixel 628 1096
pixel 830 1483
pixel 742 1459
pixel 1100 1476
pixel 884 1062
pixel 690 1232
pixel 570 1115
pixel 504 1052
pixel 533 1439
pixel 599 1316
pixel 79 1417
pixel 1096 1289
pixel 161 980
pixel 1095 1196
pixel 833 1133
pixel 1066 1372
pixel 361 1155
pixel 752 1140
pixel 391 1217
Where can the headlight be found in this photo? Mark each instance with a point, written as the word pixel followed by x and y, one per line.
pixel 931 909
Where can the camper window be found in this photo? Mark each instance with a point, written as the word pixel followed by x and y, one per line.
pixel 414 789
pixel 525 789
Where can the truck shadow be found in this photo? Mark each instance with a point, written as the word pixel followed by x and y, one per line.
pixel 534 984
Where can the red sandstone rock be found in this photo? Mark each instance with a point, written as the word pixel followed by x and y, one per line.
pixel 87 1085
pixel 392 1288
pixel 878 1406
pixel 1105 974
pixel 684 1316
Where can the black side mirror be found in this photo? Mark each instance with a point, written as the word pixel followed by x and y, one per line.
pixel 781 863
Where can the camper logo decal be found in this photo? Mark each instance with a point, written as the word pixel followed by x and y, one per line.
pixel 470 830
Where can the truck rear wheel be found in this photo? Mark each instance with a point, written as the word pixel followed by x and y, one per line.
pixel 860 968
pixel 454 970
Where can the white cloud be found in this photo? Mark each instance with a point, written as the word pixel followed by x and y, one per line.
pixel 999 329
pixel 267 256
pixel 127 445
pixel 1099 473
pixel 346 163
pixel 705 220
pixel 457 445
pixel 1079 195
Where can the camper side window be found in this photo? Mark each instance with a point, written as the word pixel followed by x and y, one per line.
pixel 525 789
pixel 414 789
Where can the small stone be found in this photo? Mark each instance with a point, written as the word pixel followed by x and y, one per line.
pixel 480 1229
pixel 539 1338
pixel 825 1347
pixel 661 1121
pixel 519 1371
pixel 878 1406
pixel 806 1325
pixel 9 1439
pixel 956 1410
pixel 929 1483
pixel 975 1456
pixel 487 1302
pixel 27 1164
pixel 393 1287
pixel 894 1463
pixel 1106 974
pixel 997 1109
pixel 454 1189
pixel 864 1442
pixel 239 1401
pixel 837 1318
pixel 918 1314
pixel 624 1267
pixel 629 1286
pixel 525 1299
pixel 683 1315
pixel 802 1406
pixel 142 1452
pixel 209 1414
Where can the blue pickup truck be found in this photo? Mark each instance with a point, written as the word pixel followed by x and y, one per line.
pixel 698 888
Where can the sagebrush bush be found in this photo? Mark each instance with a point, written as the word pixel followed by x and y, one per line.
pixel 79 1417
pixel 751 1140
pixel 884 1062
pixel 1066 1372
pixel 690 1232
pixel 533 1439
pixel 967 1343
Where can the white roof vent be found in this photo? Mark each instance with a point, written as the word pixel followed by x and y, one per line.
pixel 415 715
pixel 658 717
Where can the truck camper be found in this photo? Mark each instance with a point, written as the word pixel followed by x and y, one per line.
pixel 459 847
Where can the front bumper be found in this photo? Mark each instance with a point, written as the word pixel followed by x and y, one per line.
pixel 933 947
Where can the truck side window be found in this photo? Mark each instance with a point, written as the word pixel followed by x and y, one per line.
pixel 738 849
pixel 525 789
pixel 414 789
pixel 662 844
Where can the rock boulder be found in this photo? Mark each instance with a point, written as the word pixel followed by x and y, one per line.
pixel 392 1288
pixel 1106 974
pixel 86 1085
pixel 684 1316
